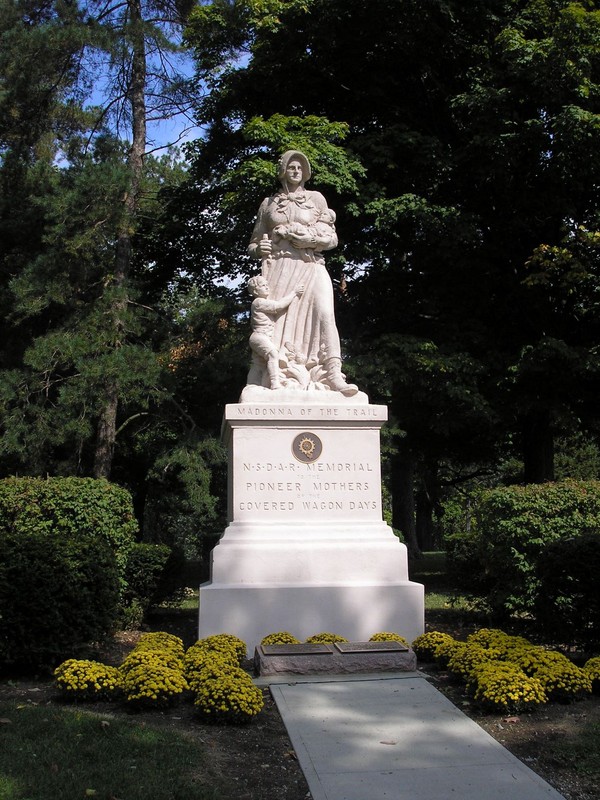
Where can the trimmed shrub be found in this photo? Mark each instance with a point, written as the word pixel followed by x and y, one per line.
pixel 567 608
pixel 56 596
pixel 514 526
pixel 63 550
pixel 73 508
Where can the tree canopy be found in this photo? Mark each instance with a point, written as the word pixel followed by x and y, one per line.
pixel 459 145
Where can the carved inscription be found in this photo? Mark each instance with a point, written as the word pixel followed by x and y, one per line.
pixel 305 472
pixel 342 487
pixel 371 647
pixel 310 412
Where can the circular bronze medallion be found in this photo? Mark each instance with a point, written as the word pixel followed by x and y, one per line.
pixel 307 447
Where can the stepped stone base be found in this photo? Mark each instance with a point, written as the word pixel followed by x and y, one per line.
pixel 306 549
pixel 355 612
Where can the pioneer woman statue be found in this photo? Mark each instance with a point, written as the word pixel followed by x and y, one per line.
pixel 293 229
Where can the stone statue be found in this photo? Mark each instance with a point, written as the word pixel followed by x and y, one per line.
pixel 293 229
pixel 263 315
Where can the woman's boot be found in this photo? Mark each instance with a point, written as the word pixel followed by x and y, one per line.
pixel 336 380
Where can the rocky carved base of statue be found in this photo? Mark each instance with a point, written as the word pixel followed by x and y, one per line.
pixel 295 343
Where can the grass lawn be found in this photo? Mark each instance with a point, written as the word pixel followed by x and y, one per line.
pixel 442 604
pixel 68 752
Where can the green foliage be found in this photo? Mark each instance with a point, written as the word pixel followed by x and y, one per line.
pixel 65 543
pixel 152 575
pixel 475 223
pixel 576 457
pixel 514 527
pixel 315 136
pixel 68 328
pixel 231 176
pixel 463 559
pixel 57 594
pixel 181 508
pixel 567 608
pixel 76 509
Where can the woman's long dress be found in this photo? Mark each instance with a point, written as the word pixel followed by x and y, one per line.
pixel 307 329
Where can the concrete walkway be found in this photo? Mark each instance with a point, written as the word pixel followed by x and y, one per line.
pixel 395 738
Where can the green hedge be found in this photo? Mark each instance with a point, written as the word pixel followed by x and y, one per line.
pixel 513 527
pixel 56 596
pixel 568 607
pixel 72 507
pixel 153 573
pixel 63 551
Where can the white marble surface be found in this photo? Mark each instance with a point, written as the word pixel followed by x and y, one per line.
pixel 295 342
pixel 306 548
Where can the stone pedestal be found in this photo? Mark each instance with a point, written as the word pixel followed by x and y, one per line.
pixel 306 549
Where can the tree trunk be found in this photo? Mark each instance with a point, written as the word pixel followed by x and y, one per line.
pixel 107 423
pixel 425 527
pixel 105 440
pixel 428 507
pixel 538 447
pixel 403 500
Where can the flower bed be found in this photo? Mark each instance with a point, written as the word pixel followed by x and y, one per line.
pixel 506 673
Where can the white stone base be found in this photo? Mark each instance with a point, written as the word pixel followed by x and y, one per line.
pixel 353 611
pixel 306 549
pixel 324 553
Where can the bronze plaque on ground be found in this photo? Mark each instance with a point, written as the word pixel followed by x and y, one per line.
pixel 305 649
pixel 371 647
